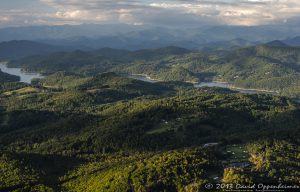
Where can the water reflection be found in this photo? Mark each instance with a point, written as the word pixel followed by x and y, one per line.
pixel 25 77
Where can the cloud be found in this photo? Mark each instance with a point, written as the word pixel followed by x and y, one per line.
pixel 239 12
pixel 4 19
pixel 157 12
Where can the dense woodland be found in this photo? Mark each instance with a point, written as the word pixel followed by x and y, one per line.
pixel 72 132
pixel 272 66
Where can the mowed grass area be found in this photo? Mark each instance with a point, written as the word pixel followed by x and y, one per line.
pixel 237 153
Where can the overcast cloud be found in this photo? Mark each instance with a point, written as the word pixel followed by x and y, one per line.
pixel 139 12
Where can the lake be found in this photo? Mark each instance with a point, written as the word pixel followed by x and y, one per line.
pixel 231 87
pixel 146 78
pixel 25 77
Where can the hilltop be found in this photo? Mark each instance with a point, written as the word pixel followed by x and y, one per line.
pixel 69 132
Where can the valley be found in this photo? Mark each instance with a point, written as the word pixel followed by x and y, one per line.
pixel 27 77
pixel 149 96
pixel 155 119
pixel 113 128
pixel 271 68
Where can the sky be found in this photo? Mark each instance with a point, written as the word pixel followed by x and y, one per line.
pixel 142 12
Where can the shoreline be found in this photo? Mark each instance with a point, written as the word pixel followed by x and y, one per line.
pixel 157 80
pixel 24 76
pixel 226 84
pixel 231 86
pixel 257 90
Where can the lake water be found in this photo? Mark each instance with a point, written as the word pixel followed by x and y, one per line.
pixel 24 76
pixel 209 84
pixel 231 87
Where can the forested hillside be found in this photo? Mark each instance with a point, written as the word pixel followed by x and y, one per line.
pixel 69 132
pixel 273 66
pixel 92 62
pixel 149 96
pixel 4 77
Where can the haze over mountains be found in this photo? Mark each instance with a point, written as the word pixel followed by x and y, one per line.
pixel 140 95
pixel 122 36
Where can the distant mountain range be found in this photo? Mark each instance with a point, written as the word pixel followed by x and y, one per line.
pixel 18 49
pixel 64 31
pixel 293 41
pixel 122 36
pixel 23 48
